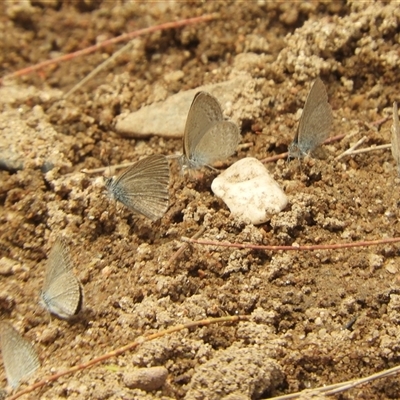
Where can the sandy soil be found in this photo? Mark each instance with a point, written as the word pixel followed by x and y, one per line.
pixel 317 317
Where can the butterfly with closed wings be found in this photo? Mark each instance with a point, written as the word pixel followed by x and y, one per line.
pixel 207 137
pixel 315 122
pixel 62 292
pixel 143 187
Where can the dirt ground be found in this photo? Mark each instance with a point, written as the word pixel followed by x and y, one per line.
pixel 317 317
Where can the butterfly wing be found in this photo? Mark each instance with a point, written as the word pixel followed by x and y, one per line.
pixel 58 262
pixel 62 292
pixel 396 137
pixel 315 122
pixel 218 143
pixel 143 187
pixel 204 112
pixel 64 296
pixel 19 356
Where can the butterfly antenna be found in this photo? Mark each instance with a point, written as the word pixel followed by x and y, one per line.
pixel 109 168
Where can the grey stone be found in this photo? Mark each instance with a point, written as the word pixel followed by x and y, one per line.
pixel 168 118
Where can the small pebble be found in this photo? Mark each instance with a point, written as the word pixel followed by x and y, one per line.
pixel 8 266
pixel 147 379
pixel 249 191
pixel 392 269
pixel 174 76
pixel 49 335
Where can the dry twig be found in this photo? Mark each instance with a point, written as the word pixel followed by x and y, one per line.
pixel 111 167
pixel 183 247
pixel 121 38
pixel 350 150
pixel 285 155
pixel 340 387
pixel 372 148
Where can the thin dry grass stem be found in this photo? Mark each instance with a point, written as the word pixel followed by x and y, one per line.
pixel 363 243
pixel 371 126
pixel 245 146
pixel 340 387
pixel 350 150
pixel 381 121
pixel 285 155
pixel 103 169
pixel 183 247
pixel 121 38
pixel 265 160
pixel 374 126
pixel 274 158
pixel 119 166
pixel 99 68
pixel 352 134
pixel 356 382
pixel 334 138
pixel 128 347
pixel 372 148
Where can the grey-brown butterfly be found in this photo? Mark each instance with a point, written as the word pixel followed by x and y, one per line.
pixel 143 187
pixel 62 292
pixel 315 122
pixel 19 356
pixel 207 137
pixel 396 137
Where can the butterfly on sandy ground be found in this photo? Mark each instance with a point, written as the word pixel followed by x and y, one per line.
pixel 62 292
pixel 396 137
pixel 19 356
pixel 207 137
pixel 143 187
pixel 315 122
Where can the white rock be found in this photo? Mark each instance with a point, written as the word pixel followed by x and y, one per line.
pixel 249 191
